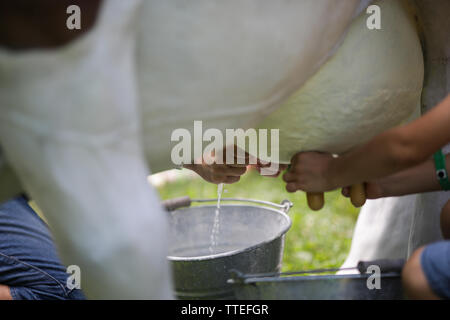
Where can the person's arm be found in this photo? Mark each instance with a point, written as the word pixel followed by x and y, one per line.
pixel 418 179
pixel 396 149
pixel 392 151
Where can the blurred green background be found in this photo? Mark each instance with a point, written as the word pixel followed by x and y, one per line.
pixel 317 239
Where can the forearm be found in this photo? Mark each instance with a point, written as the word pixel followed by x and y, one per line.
pixel 380 157
pixel 418 179
pixel 395 149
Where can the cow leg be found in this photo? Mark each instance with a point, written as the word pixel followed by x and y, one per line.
pixel 70 128
pixel 105 217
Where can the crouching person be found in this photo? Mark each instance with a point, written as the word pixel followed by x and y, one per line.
pixel 30 268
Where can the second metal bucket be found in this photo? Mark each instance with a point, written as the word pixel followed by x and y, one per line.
pixel 303 285
pixel 250 239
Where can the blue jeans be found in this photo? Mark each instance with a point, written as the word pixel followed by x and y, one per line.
pixel 29 262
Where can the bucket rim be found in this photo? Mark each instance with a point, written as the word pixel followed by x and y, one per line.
pixel 280 234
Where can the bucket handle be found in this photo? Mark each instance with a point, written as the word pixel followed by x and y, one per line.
pixel 181 202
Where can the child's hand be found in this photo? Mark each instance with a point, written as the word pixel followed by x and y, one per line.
pixel 217 173
pixel 311 172
pixel 374 190
pixel 275 173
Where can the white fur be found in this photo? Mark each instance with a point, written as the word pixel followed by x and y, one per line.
pixel 78 129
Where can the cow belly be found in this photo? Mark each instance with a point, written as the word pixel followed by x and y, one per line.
pixel 228 63
pixel 372 83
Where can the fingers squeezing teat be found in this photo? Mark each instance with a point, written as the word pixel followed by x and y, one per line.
pixel 310 172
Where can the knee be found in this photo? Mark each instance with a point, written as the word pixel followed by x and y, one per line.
pixel 445 221
pixel 414 281
pixel 5 293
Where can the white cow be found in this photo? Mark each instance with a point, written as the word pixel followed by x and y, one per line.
pixel 81 125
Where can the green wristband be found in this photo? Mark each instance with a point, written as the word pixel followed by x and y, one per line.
pixel 441 171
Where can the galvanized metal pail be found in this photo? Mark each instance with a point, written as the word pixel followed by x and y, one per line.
pixel 250 238
pixel 301 285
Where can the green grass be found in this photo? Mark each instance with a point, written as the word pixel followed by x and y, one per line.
pixel 317 239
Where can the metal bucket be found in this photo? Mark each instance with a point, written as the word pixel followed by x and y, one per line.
pixel 250 238
pixel 285 286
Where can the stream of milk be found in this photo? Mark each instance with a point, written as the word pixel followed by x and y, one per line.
pixel 215 230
